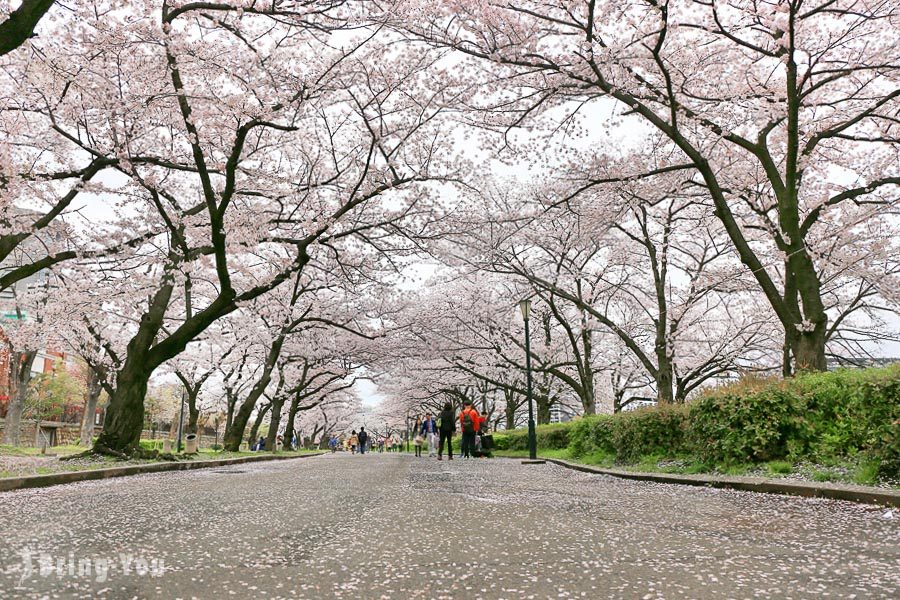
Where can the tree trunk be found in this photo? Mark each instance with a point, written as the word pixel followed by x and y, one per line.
pixel 20 364
pixel 193 411
pixel 588 399
pixel 235 434
pixel 125 414
pixel 510 409
pixel 543 408
pixel 254 431
pixel 809 349
pixel 664 377
pixel 231 400
pixel 292 416
pixel 809 344
pixel 274 422
pixel 91 397
pixel 312 437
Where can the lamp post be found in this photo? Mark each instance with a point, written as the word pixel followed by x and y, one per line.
pixel 525 307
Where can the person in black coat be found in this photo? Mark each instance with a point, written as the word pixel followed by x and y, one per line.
pixel 446 429
pixel 363 437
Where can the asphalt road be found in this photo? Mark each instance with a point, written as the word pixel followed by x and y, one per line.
pixel 391 526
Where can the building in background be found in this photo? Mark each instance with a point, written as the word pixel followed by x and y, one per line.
pixel 55 405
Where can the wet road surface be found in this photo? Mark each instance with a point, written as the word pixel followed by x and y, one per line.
pixel 393 526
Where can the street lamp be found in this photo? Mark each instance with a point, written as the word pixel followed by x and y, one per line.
pixel 525 307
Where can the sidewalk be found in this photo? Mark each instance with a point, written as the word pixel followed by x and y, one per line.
pixel 33 481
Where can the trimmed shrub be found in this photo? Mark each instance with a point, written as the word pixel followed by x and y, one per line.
pixel 726 427
pixel 852 411
pixel 649 431
pixel 819 417
pixel 591 435
pixel 549 437
pixel 555 436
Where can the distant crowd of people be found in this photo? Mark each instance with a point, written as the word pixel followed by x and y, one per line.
pixel 433 433
pixel 360 442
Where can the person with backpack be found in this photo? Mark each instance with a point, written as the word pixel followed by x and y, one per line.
pixel 363 437
pixel 446 428
pixel 469 420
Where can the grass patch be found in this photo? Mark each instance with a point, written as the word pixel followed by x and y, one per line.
pixel 867 472
pixel 558 453
pixel 778 467
pixel 824 476
pixel 736 470
pixel 52 464
pixel 6 450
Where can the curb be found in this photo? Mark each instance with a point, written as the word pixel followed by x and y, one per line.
pixel 861 494
pixel 36 481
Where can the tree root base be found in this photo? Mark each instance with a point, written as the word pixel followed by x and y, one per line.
pixel 137 453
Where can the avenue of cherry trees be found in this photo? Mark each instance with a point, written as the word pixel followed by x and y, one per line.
pixel 269 201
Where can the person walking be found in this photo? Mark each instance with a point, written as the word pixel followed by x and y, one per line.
pixel 363 438
pixel 469 421
pixel 415 433
pixel 446 428
pixel 354 442
pixel 428 430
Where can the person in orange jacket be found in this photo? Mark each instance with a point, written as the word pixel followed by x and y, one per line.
pixel 469 421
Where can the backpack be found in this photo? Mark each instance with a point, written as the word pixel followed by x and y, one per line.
pixel 468 425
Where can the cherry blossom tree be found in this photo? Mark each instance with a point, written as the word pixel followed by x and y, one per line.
pixel 194 367
pixel 339 413
pixel 461 340
pixel 264 155
pixel 782 111
pixel 650 270
pixel 25 329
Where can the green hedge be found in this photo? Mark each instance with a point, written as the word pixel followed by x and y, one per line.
pixel 853 411
pixel 730 426
pixel 553 436
pixel 820 417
